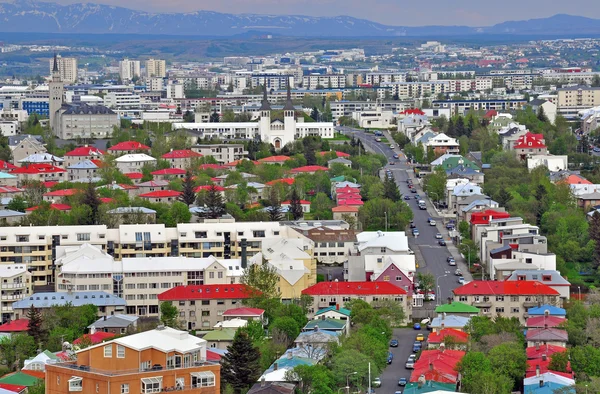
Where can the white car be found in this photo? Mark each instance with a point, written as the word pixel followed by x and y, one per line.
pixel 432 222
pixel 438 236
pixel 431 296
pixel 376 382
pixel 452 262
pixel 461 280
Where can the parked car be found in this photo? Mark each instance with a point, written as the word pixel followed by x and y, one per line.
pixel 429 220
pixel 415 232
pixel 417 197
pixel 450 226
pixel 376 382
pixel 432 222
pixel 407 197
pixel 452 263
pixel 390 357
pixel 461 280
pixel 402 382
pixel 413 190
pixel 412 225
pixel 396 156
pixel 438 236
pixel 417 346
pixel 394 343
pixel 449 258
pixel 431 296
pixel 417 326
pixel 392 163
pixel 378 139
pixel 458 272
pixel 420 337
pixel 410 364
pixel 442 242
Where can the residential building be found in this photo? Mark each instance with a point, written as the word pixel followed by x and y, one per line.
pixel 457 308
pixel 331 246
pixel 460 107
pixel 26 147
pixel 507 299
pixel 156 68
pixel 115 324
pixel 16 284
pixel 220 338
pixel 201 307
pixel 345 212
pixel 133 162
pixel 182 159
pixel 122 100
pixel 546 336
pixel 85 121
pixel 223 153
pixel 162 359
pixel 333 312
pixel 448 338
pixel 550 278
pixel 442 144
pixel 547 383
pixel 39 172
pixel 83 170
pixel 9 128
pixel 264 387
pixel 326 294
pixel 108 304
pixel 573 99
pixel 439 365
pixel 67 67
pixel 129 70
pixel 445 321
pixel 244 313
pixel 81 153
pixel 128 147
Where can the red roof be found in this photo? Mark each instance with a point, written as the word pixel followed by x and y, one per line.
pixel 18 325
pixel 205 292
pixel 127 146
pixel 85 151
pixel 10 189
pixel 213 167
pixel 348 196
pixel 354 288
pixel 161 194
pixel 35 374
pixel 490 114
pixel 337 153
pixel 456 335
pixel 37 168
pixel 50 184
pixel 289 181
pixel 541 321
pixel 412 111
pixel 535 352
pixel 308 169
pixel 275 159
pixel 207 187
pixel 302 202
pixel 62 193
pixel 437 365
pixel 134 175
pixel 169 171
pixel 181 154
pixel 351 201
pixel 347 189
pixel 486 216
pixel 517 287
pixel 575 180
pixel 236 162
pixel 530 141
pixel 95 338
pixel 345 208
pixel 12 387
pixel 212 356
pixel 107 200
pixel 543 364
pixel 244 312
pixel 127 187
pixel 6 165
pixel 58 207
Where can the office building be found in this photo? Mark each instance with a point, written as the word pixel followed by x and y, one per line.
pixel 67 67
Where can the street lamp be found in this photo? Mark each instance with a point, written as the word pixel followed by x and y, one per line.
pixel 385 213
pixel 579 290
pixel 348 381
pixel 437 286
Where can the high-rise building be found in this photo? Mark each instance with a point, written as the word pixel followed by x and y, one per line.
pixel 56 96
pixel 129 69
pixel 67 67
pixel 156 68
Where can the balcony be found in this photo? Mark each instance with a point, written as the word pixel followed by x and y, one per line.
pixel 530 304
pixel 12 286
pixel 13 297
pixel 72 366
pixel 482 304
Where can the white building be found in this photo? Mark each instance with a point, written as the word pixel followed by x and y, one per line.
pixel 551 162
pixel 156 68
pixel 8 128
pixel 67 67
pixel 133 162
pixel 175 91
pixel 129 69
pixel 16 285
pixel 122 100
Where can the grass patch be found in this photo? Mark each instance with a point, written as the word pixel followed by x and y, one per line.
pixel 339 137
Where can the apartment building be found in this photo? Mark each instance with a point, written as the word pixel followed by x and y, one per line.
pixel 67 67
pixel 82 153
pixel 129 69
pixel 163 359
pixel 201 307
pixel 272 81
pixel 379 78
pixel 460 107
pixel 133 162
pixel 571 100
pixel 182 158
pixel 418 89
pixel 107 304
pixel 15 285
pixel 347 108
pixel 122 100
pixel 223 153
pixel 156 68
pixel 327 294
pixel 86 121
pixel 507 299
pixel 331 245
pixel 330 81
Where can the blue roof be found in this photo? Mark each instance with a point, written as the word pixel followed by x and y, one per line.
pixel 540 310
pixel 450 321
pixel 84 165
pixel 4 175
pixel 549 388
pixel 78 298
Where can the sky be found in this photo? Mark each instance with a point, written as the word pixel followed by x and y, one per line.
pixel 391 12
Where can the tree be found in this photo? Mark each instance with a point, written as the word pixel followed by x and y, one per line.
pixel 435 184
pixel 214 117
pixel 91 198
pixel 34 326
pixel 215 208
pixel 314 379
pixel 391 311
pixel 594 232
pixel 262 280
pixel 509 360
pixel 240 366
pixel 17 348
pixel 295 207
pixel 274 209
pixel 390 189
pixel 168 314
pixel 287 326
pixel 559 361
pixel 17 203
pixel 503 197
pixel 188 196
pixel 426 282
pixel 314 114
pixel 541 115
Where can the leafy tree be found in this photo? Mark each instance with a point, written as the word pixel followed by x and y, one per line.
pixel 503 197
pixel 214 203
pixel 321 207
pixel 34 326
pixel 287 326
pixel 263 281
pixel 17 348
pixel 177 213
pixel 17 203
pixel 240 366
pixel 435 184
pixel 38 388
pixel 391 311
pixel 426 281
pixel 559 361
pixel 168 314
pixel 541 115
pixel 373 214
pixel 390 189
pixel 188 117
pixel 315 379
pixel 295 207
pixel 509 360
pixel 188 196
pixel 314 114
pixel 594 232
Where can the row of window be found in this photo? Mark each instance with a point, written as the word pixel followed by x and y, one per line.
pixel 463 298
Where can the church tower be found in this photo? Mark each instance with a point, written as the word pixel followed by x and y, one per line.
pixel 289 117
pixel 264 125
pixel 56 88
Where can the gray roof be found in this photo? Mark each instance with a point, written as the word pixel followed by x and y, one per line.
pixel 86 109
pixel 17 139
pixel 556 278
pixel 117 321
pixel 9 213
pixel 78 298
pixel 500 249
pixel 340 160
pixel 83 165
pixel 485 202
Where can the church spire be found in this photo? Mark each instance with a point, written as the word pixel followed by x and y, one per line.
pixel 289 106
pixel 55 65
pixel 265 105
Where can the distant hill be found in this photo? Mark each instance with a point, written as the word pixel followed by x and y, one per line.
pixel 27 16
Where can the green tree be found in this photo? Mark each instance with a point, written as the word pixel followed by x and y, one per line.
pixel 295 207
pixel 214 117
pixel 262 280
pixel 34 326
pixel 435 184
pixel 503 197
pixel 286 326
pixel 594 233
pixel 177 213
pixel 188 196
pixel 321 207
pixel 215 208
pixel 274 209
pixel 17 203
pixel 91 199
pixel 509 360
pixel 17 348
pixel 541 115
pixel 315 379
pixel 390 189
pixel 314 114
pixel 168 314
pixel 240 366
pixel 559 361
pixel 426 282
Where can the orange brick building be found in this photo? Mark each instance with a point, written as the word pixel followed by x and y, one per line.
pixel 160 360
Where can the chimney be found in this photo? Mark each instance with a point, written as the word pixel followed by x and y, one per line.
pixel 316 328
pixel 544 357
pixel 537 371
pixel 337 307
pixel 275 366
pixel 443 316
pixel 244 254
pixel 431 366
pixel 442 326
pixel 545 326
pixel 263 382
pixel 537 346
pixel 104 318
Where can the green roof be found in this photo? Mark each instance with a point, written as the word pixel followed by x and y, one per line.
pixel 51 355
pixel 20 379
pixel 340 178
pixel 456 307
pixel 326 324
pixel 225 334
pixel 453 162
pixel 429 387
pixel 343 311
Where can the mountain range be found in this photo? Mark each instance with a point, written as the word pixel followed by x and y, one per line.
pixel 28 16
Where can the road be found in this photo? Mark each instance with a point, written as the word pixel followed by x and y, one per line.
pixel 431 257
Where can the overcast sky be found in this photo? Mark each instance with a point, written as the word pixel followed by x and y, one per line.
pixel 392 12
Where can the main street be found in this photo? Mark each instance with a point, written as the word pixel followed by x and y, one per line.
pixel 431 257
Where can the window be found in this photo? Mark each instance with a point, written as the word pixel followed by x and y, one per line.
pixel 76 384
pixel 22 238
pixel 500 310
pixel 138 237
pixel 500 298
pixel 125 388
pixel 546 278
pixel 514 298
pixel 462 298
pixel 120 351
pixel 108 351
pixel 146 365
pixel 203 379
pixel 83 236
pixel 205 313
pixel 514 310
pixel 398 278
pixel 200 234
pixel 211 275
pixel 152 385
pixel 258 234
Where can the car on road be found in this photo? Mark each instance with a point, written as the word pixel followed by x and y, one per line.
pixel 392 146
pixel 412 225
pixel 450 226
pixel 392 163
pixel 417 346
pixel 407 197
pixel 413 190
pixel 417 197
pixel 415 232
pixel 449 259
pixel 378 139
pixel 420 337
pixel 397 392
pixel 396 156
pixel 438 236
pixel 452 263
pixel 394 343
pixel 417 326
pixel 596 149
pixel 461 280
pixel 422 207
pixel 376 382
pixel 390 357
pixel 432 222
pixel 458 272
pixel 402 382
pixel 410 364
pixel 442 242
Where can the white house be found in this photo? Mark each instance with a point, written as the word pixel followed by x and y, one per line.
pixel 133 162
pixel 551 162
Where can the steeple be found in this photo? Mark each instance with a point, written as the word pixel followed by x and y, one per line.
pixel 265 105
pixel 55 66
pixel 289 106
